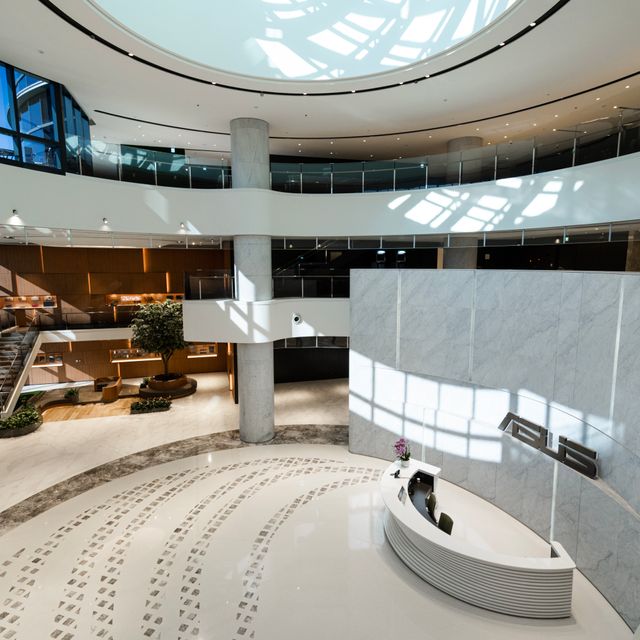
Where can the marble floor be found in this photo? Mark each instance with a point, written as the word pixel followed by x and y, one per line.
pixel 62 449
pixel 277 542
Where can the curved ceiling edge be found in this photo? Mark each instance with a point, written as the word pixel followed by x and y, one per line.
pixel 389 133
pixel 307 94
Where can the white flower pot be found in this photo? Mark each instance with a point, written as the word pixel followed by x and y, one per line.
pixel 404 463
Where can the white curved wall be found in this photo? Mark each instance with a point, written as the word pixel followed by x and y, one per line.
pixel 264 321
pixel 589 194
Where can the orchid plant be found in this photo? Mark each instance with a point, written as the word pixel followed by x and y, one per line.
pixel 402 449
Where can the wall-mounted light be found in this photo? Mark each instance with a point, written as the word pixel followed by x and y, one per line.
pixel 105 221
pixel 182 225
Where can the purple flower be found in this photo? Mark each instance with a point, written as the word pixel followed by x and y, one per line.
pixel 401 449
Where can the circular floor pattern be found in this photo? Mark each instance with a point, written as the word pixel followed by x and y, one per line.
pixel 274 542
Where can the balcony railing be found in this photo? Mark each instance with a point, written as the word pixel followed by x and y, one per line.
pixel 219 285
pixel 589 142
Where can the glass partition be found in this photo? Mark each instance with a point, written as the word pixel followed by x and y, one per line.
pixel 479 165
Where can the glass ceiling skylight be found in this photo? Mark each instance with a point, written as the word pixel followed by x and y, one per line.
pixel 304 39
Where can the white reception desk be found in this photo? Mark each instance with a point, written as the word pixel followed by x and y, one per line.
pixel 533 587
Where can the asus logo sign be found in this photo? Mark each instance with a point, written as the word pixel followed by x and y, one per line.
pixel 573 454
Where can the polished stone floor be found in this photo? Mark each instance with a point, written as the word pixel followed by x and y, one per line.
pixel 62 449
pixel 275 542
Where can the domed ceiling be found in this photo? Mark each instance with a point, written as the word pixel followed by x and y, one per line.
pixel 304 40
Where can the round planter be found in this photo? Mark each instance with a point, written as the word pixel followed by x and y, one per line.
pixel 404 463
pixel 22 431
pixel 167 385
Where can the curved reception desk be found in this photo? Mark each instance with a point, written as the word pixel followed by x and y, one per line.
pixel 470 563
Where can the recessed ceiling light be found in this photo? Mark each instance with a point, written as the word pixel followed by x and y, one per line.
pixel 139 126
pixel 505 136
pixel 130 55
pixel 502 44
pixel 299 144
pixel 371 155
pixel 331 142
pixel 304 93
pixel 532 24
pixel 397 138
pixel 615 106
pixel 507 124
pixel 299 150
pixel 477 129
pixel 556 115
pixel 534 124
pixel 427 76
pixel 364 140
pixel 555 129
pixel 597 99
pixel 353 90
pixel 627 87
pixel 213 82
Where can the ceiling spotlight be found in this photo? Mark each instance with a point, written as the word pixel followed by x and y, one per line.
pixel 331 142
pixel 597 99
pixel 213 82
pixel 400 82
pixel 427 76
pixel 353 90
pixel 502 44
pixel 304 93
pixel 364 140
pixel 556 115
pixel 105 221
pixel 627 86
pixel 130 55
pixel 532 24
pixel 182 225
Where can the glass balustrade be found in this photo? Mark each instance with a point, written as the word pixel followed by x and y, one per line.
pixel 549 152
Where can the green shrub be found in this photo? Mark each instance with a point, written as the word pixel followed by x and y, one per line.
pixel 72 394
pixel 22 418
pixel 150 404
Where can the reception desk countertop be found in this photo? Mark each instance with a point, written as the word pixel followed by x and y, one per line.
pixel 530 586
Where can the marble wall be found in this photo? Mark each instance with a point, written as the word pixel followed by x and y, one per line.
pixel 441 356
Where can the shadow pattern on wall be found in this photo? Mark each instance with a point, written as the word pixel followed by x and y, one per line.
pixel 441 356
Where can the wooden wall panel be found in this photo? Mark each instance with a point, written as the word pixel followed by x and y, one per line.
pixel 105 283
pixel 91 359
pixel 65 260
pixel 51 283
pixel 184 259
pixel 21 258
pixel 115 260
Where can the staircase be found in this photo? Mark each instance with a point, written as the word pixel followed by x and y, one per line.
pixel 17 352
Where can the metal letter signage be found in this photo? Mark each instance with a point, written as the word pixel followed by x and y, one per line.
pixel 573 454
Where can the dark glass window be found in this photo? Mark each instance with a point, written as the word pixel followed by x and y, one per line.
pixel 7 116
pixel 8 147
pixel 36 106
pixel 41 152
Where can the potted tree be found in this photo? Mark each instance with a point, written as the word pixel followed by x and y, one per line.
pixel 157 328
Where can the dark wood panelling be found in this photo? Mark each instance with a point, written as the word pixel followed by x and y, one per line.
pixel 115 260
pixel 65 260
pixel 25 259
pixel 51 283
pixel 128 283
pixel 92 359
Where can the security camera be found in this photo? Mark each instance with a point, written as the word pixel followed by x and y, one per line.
pixel 297 318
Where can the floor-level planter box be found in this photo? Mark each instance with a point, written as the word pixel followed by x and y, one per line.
pixel 21 431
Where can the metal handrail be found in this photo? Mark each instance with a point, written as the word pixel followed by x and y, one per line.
pixel 22 350
pixel 109 164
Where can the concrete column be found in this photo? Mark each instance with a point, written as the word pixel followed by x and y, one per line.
pixel 460 255
pixel 252 257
